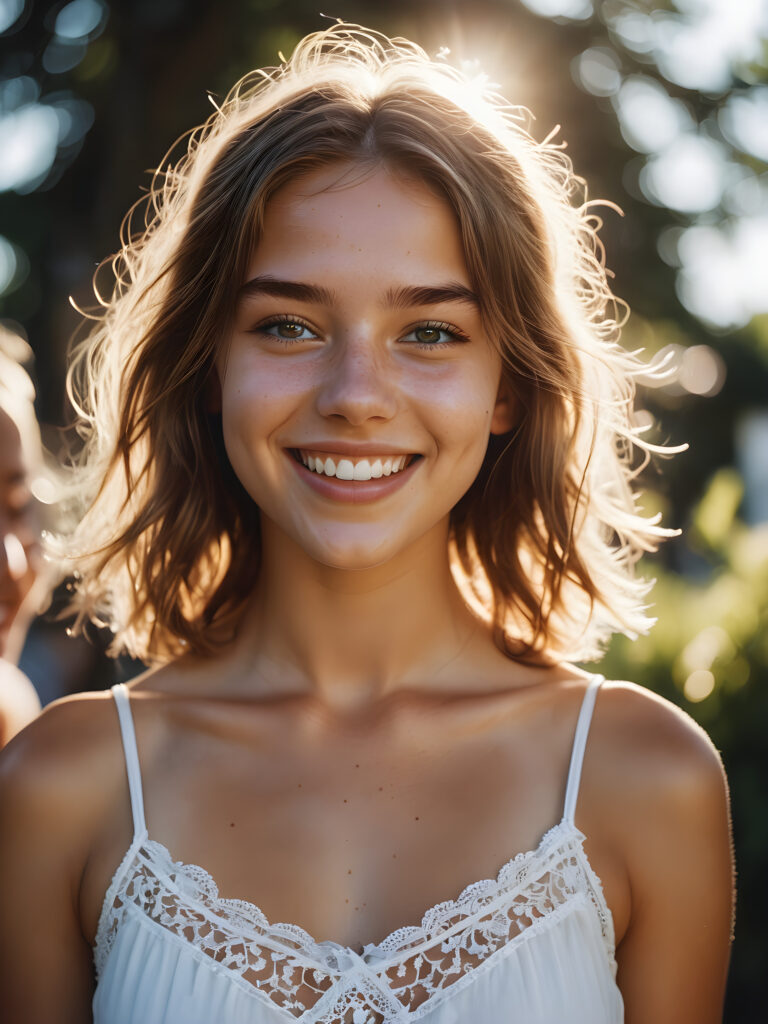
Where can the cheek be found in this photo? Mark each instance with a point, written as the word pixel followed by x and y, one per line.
pixel 462 412
pixel 244 422
pixel 460 423
pixel 256 399
pixel 245 394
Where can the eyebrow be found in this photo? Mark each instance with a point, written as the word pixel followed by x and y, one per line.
pixel 421 295
pixel 266 285
pixel 395 298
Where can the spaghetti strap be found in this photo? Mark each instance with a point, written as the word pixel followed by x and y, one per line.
pixel 122 701
pixel 579 746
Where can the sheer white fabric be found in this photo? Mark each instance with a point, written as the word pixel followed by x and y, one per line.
pixel 534 945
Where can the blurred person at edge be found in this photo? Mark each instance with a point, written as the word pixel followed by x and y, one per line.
pixel 21 582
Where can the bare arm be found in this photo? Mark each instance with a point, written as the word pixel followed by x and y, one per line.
pixel 46 820
pixel 673 960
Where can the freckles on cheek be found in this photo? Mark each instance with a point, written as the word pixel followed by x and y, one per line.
pixel 465 413
pixel 258 398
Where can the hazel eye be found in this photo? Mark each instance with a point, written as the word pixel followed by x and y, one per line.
pixel 289 330
pixel 428 334
pixel 434 335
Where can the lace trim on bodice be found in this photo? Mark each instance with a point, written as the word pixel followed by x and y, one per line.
pixel 411 970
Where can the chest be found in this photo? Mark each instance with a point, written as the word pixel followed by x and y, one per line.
pixel 351 837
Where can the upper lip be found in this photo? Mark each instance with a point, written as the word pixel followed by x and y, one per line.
pixel 353 448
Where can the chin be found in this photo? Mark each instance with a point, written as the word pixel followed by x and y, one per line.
pixel 354 554
pixel 351 560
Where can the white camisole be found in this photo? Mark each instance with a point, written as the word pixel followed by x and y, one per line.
pixel 533 946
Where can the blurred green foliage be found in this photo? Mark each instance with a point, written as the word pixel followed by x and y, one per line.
pixel 717 627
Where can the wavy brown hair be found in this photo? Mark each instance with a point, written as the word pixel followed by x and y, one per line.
pixel 545 541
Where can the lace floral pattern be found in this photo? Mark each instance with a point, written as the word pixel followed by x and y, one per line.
pixel 409 971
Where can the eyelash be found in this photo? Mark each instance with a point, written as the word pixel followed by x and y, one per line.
pixel 458 336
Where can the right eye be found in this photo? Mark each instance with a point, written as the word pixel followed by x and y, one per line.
pixel 287 330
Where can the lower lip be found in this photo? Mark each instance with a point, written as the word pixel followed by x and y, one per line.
pixel 355 492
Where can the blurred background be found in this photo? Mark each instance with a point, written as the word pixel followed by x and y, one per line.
pixel 664 108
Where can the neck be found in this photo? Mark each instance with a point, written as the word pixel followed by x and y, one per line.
pixel 352 637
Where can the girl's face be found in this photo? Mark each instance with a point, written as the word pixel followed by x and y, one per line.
pixel 358 386
pixel 19 551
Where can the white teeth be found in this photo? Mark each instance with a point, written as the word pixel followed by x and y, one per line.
pixel 347 469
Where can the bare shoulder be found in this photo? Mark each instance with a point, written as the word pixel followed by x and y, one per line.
pixel 657 791
pixel 657 797
pixel 57 775
pixel 652 749
pixel 57 780
pixel 65 734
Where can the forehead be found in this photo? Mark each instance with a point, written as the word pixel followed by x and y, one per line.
pixel 362 222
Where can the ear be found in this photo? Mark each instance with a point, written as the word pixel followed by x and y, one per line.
pixel 504 416
pixel 212 398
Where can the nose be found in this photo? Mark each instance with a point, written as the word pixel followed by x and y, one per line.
pixel 13 557
pixel 358 383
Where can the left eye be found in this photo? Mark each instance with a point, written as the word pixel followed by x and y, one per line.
pixel 433 335
pixel 288 330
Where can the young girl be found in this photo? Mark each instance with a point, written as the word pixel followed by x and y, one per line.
pixel 358 461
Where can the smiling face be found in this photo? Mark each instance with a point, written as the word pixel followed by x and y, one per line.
pixel 18 529
pixel 358 387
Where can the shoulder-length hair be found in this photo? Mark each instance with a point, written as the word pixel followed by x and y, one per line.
pixel 545 541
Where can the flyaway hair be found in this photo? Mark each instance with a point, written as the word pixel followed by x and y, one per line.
pixel 545 542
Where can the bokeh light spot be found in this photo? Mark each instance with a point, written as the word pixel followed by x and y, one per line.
pixel 722 271
pixel 690 175
pixel 17 92
pixel 649 118
pixel 701 47
pixel 597 71
pixel 59 57
pixel 44 490
pixel 699 685
pixel 10 11
pixel 577 10
pixel 78 19
pixel 14 266
pixel 28 141
pixel 702 371
pixel 747 194
pixel 744 121
pixel 701 651
pixel 8 264
pixel 75 118
pixel 635 30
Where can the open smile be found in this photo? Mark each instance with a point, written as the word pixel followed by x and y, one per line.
pixel 354 468
pixel 351 478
